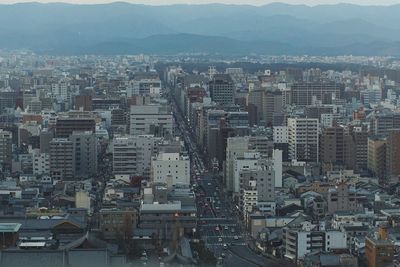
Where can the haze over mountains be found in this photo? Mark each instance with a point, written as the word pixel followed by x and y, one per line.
pixel 122 28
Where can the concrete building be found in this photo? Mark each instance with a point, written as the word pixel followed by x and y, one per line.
pixel 83 201
pixel 356 148
pixel 257 191
pixel 382 122
pixel 170 169
pixel 5 149
pixel 268 106
pixel 379 250
pixel 342 197
pixel 377 155
pixel 85 153
pixel 222 89
pixel 303 239
pixel 303 134
pixel 249 161
pixel 305 94
pixel 41 163
pixel 65 126
pixel 132 154
pixel 118 223
pixel 393 155
pixel 280 134
pixel 170 220
pixel 235 148
pixel 151 119
pixel 145 86
pixel 332 150
pixel 62 160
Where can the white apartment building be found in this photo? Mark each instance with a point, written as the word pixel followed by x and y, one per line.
pixel 303 139
pixel 170 168
pixel 151 119
pixel 280 134
pixel 40 162
pixel 249 161
pixel 132 154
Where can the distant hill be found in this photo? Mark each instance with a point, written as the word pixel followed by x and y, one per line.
pixel 121 28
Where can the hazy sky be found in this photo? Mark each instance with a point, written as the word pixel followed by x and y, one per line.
pixel 251 2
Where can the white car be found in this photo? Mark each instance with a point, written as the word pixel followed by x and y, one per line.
pixel 220 239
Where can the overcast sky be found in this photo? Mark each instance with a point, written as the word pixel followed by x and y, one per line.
pixel 250 2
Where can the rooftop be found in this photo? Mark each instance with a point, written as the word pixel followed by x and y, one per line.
pixel 9 227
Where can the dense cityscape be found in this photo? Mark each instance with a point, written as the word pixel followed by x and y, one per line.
pixel 199 160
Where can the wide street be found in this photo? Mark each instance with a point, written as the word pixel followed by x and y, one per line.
pixel 218 224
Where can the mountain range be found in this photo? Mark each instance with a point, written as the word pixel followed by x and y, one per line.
pixel 273 29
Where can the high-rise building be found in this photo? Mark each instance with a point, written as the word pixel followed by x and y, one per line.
pixel 377 155
pixel 332 152
pixel 62 159
pixel 222 89
pixel 268 106
pixel 356 148
pixel 393 155
pixel 5 149
pixel 85 153
pixel 303 134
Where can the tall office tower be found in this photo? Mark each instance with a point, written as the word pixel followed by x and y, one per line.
pixel 356 147
pixel 235 147
pixel 304 94
pixel 151 119
pixel 267 105
pixel 171 169
pixel 220 126
pixel 8 99
pixel 393 155
pixel 332 152
pixel 65 126
pixel 222 89
pixel 132 154
pixel 62 159
pixel 303 137
pixel 45 136
pixel 272 108
pixel 85 153
pixel 5 150
pixel 377 155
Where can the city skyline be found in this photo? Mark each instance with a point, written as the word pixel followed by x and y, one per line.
pixel 227 2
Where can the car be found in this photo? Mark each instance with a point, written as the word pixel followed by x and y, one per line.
pixel 232 230
pixel 217 228
pixel 225 246
pixel 223 255
pixel 226 228
pixel 236 237
pixel 220 239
